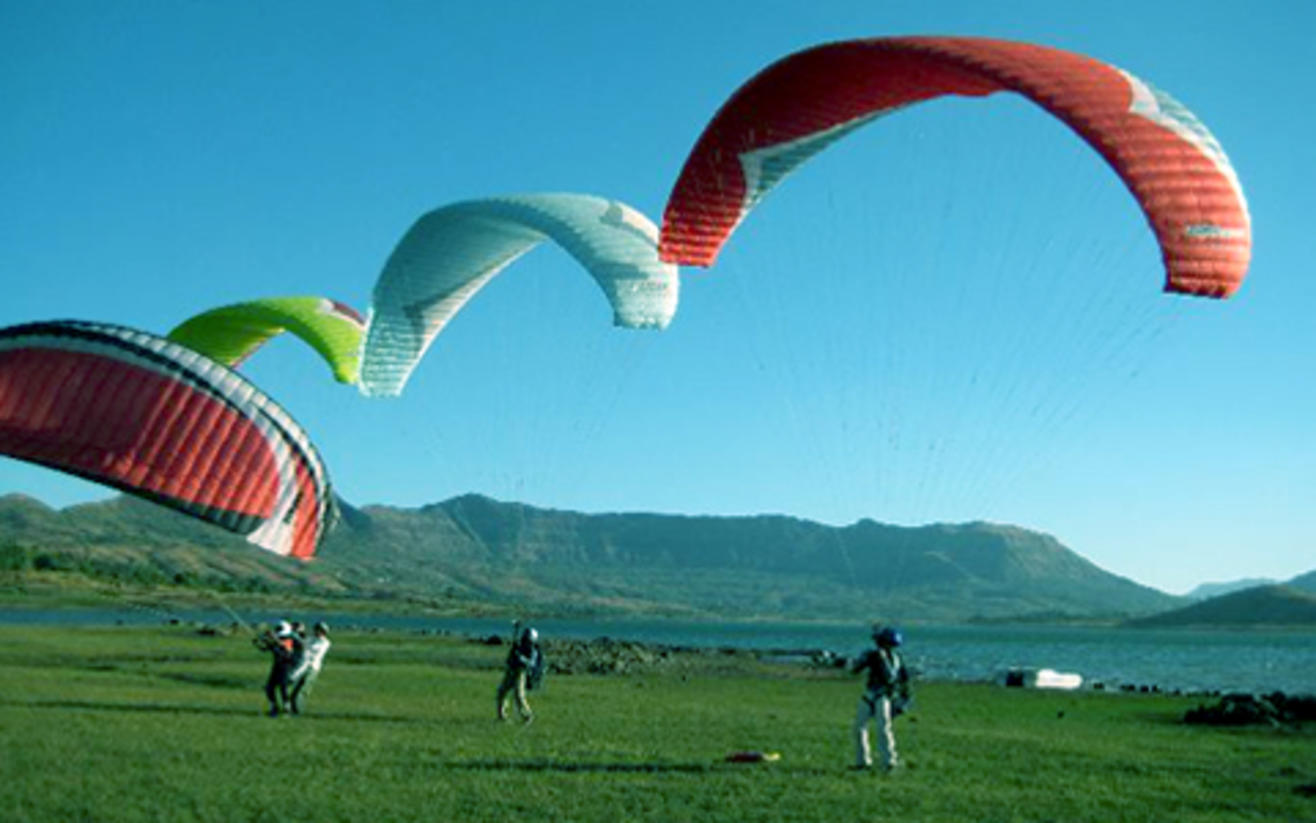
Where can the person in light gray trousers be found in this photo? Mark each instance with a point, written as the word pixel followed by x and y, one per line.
pixel 885 695
pixel 307 668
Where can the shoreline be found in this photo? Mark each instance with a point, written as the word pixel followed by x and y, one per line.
pixel 606 654
pixel 191 603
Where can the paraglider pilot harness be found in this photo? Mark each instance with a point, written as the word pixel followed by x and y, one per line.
pixel 267 642
pixel 887 677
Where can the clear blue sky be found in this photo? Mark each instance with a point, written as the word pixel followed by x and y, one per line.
pixel 952 315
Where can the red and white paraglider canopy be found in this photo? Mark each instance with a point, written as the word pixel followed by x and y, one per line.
pixel 796 107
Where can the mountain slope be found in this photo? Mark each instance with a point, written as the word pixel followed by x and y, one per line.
pixel 1305 582
pixel 1206 590
pixel 1262 605
pixel 754 565
pixel 129 539
pixel 472 548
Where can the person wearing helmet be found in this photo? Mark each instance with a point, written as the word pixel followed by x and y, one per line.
pixel 284 646
pixel 524 661
pixel 885 695
pixel 307 668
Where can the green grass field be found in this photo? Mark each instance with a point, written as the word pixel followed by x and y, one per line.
pixel 163 724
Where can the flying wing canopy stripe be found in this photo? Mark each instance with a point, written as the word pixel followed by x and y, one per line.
pixel 153 418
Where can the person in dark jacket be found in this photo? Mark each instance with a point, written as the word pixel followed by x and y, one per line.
pixel 885 694
pixel 284 648
pixel 524 662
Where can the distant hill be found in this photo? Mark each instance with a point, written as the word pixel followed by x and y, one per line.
pixel 131 540
pixel 1305 582
pixel 1262 605
pixel 752 565
pixel 476 549
pixel 1206 590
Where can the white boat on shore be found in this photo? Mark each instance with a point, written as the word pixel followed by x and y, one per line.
pixel 1042 679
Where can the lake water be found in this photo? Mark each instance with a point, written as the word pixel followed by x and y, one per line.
pixel 1186 659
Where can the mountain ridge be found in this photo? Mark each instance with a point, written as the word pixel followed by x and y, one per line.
pixel 472 548
pixel 1203 591
pixel 475 552
pixel 1265 605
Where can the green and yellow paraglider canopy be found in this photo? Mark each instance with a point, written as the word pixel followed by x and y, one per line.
pixel 231 334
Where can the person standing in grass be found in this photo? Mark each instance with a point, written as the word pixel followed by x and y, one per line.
pixel 307 669
pixel 524 664
pixel 283 646
pixel 885 696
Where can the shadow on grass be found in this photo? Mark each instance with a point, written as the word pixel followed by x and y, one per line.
pixel 579 766
pixel 183 708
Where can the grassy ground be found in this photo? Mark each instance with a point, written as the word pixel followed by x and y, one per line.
pixel 122 724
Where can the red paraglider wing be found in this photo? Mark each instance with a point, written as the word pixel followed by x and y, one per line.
pixel 153 418
pixel 799 105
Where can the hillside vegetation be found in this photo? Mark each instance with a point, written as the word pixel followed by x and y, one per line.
pixel 1258 606
pixel 1305 582
pixel 472 549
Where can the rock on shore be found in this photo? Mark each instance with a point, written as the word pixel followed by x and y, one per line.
pixel 1275 709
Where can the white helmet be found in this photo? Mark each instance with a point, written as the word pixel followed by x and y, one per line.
pixel 531 635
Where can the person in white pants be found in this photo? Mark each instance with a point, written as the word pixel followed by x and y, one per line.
pixel 308 667
pixel 885 695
